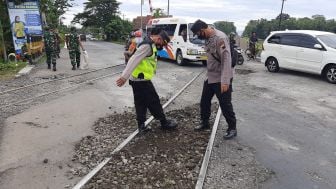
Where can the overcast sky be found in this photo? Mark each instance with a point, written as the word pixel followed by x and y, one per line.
pixel 237 11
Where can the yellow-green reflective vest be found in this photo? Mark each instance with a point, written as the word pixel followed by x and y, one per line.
pixel 147 66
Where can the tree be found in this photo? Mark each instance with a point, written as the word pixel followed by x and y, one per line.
pixel 54 9
pixel 226 27
pixel 98 13
pixel 263 27
pixel 5 32
pixel 158 13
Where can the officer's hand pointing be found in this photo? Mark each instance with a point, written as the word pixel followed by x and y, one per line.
pixel 121 81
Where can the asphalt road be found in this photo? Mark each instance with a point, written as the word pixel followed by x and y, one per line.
pixel 286 123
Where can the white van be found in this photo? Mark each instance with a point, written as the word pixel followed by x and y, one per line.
pixel 183 45
pixel 301 50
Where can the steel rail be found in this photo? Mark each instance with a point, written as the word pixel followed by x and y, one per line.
pixel 41 83
pixel 56 91
pixel 94 171
pixel 204 167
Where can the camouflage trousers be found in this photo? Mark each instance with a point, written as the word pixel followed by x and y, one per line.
pixel 75 57
pixel 51 57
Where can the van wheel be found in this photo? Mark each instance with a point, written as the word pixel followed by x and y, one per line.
pixel 330 74
pixel 204 62
pixel 179 58
pixel 272 65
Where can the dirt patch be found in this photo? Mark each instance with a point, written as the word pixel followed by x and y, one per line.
pixel 243 71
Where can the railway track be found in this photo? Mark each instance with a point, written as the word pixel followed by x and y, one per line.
pixel 13 97
pixel 158 159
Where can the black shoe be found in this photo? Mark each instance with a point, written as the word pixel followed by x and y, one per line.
pixel 49 66
pixel 54 68
pixel 73 67
pixel 203 126
pixel 168 124
pixel 142 128
pixel 78 65
pixel 230 134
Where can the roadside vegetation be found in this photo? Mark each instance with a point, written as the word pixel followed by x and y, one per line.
pixel 9 69
pixel 263 27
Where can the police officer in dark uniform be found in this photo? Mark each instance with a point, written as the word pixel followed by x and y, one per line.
pixel 140 69
pixel 219 76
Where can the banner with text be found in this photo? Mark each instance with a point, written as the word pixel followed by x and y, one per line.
pixel 25 21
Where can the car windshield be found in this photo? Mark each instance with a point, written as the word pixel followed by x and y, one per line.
pixel 192 38
pixel 329 40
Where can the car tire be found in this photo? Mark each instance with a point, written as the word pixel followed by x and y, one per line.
pixel 272 65
pixel 179 58
pixel 204 62
pixel 330 74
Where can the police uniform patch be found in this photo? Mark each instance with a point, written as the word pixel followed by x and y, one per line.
pixel 222 44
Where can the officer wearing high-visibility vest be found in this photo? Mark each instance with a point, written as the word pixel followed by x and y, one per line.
pixel 140 69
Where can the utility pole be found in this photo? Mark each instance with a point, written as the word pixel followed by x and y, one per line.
pixel 3 42
pixel 281 14
pixel 168 8
pixel 142 2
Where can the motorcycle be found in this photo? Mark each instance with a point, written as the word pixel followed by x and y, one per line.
pixel 240 55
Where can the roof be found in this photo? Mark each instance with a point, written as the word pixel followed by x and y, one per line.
pixel 309 32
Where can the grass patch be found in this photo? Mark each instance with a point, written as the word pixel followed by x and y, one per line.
pixel 9 70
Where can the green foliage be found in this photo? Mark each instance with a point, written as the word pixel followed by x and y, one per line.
pixel 6 28
pixel 99 14
pixel 54 9
pixel 158 13
pixel 8 70
pixel 226 27
pixel 118 28
pixel 263 27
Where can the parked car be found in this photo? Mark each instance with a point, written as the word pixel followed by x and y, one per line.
pixel 301 50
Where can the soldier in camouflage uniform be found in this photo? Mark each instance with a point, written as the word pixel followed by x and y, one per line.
pixel 73 43
pixel 58 43
pixel 50 47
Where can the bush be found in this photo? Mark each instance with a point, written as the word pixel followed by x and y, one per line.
pixel 11 67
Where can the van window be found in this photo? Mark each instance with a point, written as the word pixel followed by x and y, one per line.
pixel 290 40
pixel 308 41
pixel 274 39
pixel 169 28
pixel 183 32
pixel 193 39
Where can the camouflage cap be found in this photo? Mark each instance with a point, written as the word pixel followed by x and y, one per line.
pixel 198 25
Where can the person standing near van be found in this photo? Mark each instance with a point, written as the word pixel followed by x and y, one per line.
pixel 219 76
pixel 140 69
pixel 73 43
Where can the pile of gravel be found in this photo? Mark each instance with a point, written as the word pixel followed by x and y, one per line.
pixel 159 158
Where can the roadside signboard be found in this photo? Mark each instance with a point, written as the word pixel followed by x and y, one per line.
pixel 25 21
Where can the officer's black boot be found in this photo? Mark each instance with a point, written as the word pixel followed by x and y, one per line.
pixel 203 126
pixel 49 66
pixel 73 67
pixel 142 128
pixel 54 67
pixel 230 134
pixel 168 124
pixel 78 65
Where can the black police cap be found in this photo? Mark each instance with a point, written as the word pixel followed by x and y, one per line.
pixel 198 25
pixel 164 36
